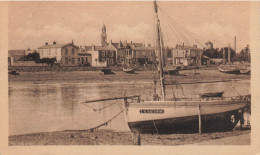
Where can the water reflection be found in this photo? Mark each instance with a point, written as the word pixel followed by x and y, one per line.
pixel 55 106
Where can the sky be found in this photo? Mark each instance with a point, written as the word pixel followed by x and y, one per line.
pixel 31 24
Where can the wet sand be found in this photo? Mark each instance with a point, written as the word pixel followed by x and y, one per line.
pixel 95 76
pixel 108 137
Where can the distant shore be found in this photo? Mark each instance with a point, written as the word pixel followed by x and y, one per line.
pixel 108 137
pixel 92 76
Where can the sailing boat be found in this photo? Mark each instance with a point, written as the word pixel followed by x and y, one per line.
pixel 180 115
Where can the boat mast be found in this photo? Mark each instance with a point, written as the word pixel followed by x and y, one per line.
pixel 159 50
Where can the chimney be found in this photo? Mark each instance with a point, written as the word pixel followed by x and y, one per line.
pixel 46 43
pixel 54 43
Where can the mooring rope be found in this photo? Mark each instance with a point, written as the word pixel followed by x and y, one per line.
pixel 100 109
pixel 157 132
pixel 103 124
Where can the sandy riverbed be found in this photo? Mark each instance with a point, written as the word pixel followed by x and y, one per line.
pixel 94 76
pixel 108 137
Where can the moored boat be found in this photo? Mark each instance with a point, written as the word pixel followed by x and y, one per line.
pixel 106 70
pixel 229 70
pixel 181 115
pixel 128 70
pixel 215 94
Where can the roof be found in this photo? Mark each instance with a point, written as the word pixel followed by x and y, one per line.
pixel 209 42
pixel 56 46
pixel 12 53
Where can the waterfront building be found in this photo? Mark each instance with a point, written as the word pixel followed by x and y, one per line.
pixel 186 55
pixel 15 55
pixel 65 54
pixel 208 45
pixel 102 56
pixel 84 57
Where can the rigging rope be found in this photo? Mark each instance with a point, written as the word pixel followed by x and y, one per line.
pixel 103 124
pixel 157 132
pixel 180 28
pixel 102 107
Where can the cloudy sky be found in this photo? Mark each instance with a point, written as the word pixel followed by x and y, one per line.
pixel 31 24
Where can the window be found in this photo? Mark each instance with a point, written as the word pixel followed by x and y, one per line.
pixel 111 62
pixel 79 60
pixel 66 61
pixel 86 59
pixel 73 60
pixel 73 51
pixel 82 59
pixel 111 54
pixel 66 51
pixel 130 52
pixel 169 54
pixel 49 51
pixel 103 59
pixel 103 54
pixel 56 51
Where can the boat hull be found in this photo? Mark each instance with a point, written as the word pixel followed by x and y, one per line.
pixel 183 117
pixel 217 94
pixel 229 70
pixel 188 124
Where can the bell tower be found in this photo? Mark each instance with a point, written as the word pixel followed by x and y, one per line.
pixel 104 36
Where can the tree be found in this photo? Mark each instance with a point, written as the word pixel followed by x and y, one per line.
pixel 33 57
pixel 232 53
pixel 244 55
pixel 48 61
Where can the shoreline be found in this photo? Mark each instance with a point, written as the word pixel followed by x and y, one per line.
pixel 109 137
pixel 147 76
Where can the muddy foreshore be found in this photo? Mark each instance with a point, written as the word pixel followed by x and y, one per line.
pixel 205 74
pixel 108 137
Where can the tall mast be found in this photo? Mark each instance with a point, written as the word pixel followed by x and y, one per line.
pixel 159 50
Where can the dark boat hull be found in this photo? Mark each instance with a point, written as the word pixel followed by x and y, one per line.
pixel 210 123
pixel 217 94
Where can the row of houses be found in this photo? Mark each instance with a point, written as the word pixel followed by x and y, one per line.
pixel 120 53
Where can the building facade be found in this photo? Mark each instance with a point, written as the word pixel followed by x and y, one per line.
pixel 65 54
pixel 208 45
pixel 186 55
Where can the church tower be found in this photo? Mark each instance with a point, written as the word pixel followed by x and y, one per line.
pixel 104 36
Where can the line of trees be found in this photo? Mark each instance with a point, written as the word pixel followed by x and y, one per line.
pixel 243 55
pixel 36 58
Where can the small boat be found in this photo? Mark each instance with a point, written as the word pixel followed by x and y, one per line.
pixel 106 70
pixel 14 73
pixel 215 94
pixel 128 70
pixel 229 70
pixel 245 71
pixel 171 71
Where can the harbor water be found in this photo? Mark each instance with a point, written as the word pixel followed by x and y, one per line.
pixel 55 106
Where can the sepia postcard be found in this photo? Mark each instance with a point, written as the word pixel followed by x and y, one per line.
pixel 130 77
